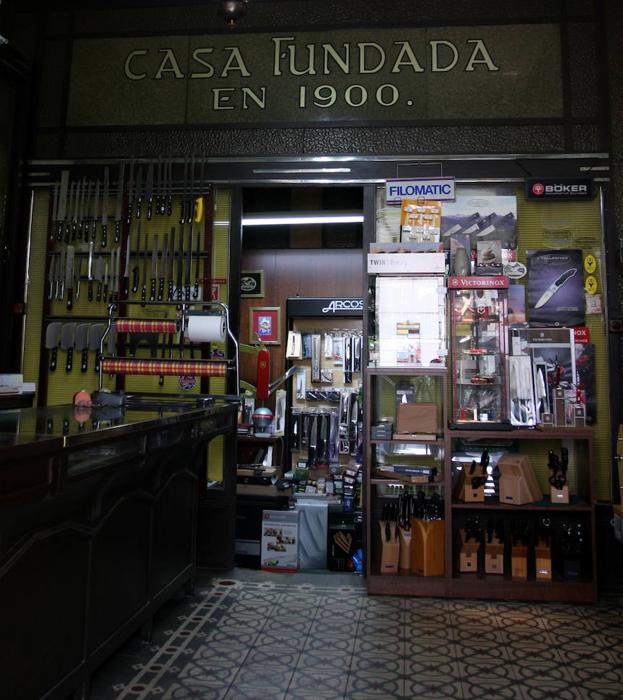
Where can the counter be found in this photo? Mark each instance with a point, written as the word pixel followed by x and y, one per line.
pixel 98 527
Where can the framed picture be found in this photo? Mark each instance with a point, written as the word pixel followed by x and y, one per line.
pixel 265 324
pixel 252 283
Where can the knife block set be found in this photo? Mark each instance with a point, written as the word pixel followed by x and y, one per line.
pixel 418 550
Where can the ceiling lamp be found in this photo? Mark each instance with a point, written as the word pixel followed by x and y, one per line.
pixel 232 11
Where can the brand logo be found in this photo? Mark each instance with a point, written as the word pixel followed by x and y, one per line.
pixel 428 188
pixel 247 284
pixel 343 304
pixel 187 381
pixel 538 189
pixel 559 188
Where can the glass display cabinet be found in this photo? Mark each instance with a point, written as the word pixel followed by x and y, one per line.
pixel 479 323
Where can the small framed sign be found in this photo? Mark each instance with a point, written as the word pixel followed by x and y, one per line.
pixel 252 283
pixel 265 324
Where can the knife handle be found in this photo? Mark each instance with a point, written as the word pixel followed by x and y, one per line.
pixel 84 364
pixel 126 287
pixel 98 294
pixel 149 208
pixel 196 289
pixel 94 230
pixel 74 230
pixel 160 288
pixel 187 291
pixel 97 361
pixel 104 235
pixel 70 298
pixel 105 293
pixel 143 294
pixel 59 230
pixel 80 230
pixel 90 290
pixel 152 289
pixel 161 380
pixel 135 279
pixel 130 210
pixel 170 295
pixel 53 357
pixel 139 206
pixel 70 359
pixel 169 209
pixel 117 231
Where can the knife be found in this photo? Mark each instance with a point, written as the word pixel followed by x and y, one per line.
pixel 348 360
pixel 75 205
pixel 180 265
pixel 90 272
pixel 82 213
pixel 171 258
pixel 105 196
pixel 68 340
pixel 69 276
pixel 126 271
pixel 131 193
pixel 51 275
pixel 60 272
pixel 154 269
pixel 183 198
pixel 144 287
pixel 98 274
pixel 119 205
pixel 189 254
pixel 82 345
pixel 163 266
pixel 311 448
pixel 149 188
pixel 555 286
pixel 96 333
pixel 78 276
pixel 52 340
pixel 197 266
pixel 62 205
pixel 117 274
pixel 96 209
pixel 138 192
pixel 169 207
pixel 105 284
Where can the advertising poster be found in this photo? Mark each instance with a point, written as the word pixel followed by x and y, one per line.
pixel 556 288
pixel 484 218
pixel 280 540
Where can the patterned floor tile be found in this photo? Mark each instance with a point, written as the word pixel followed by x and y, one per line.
pixel 432 667
pixel 258 675
pixel 490 689
pixel 433 689
pixel 329 643
pixel 243 692
pixel 374 684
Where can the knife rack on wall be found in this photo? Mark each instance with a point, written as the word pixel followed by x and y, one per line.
pixel 132 231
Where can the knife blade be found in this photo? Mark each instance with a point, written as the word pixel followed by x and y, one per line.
pixel 555 286
pixel 82 345
pixel 60 289
pixel 138 192
pixel 135 269
pixel 98 276
pixel 163 266
pixel 105 197
pixel 154 269
pixel 82 208
pixel 348 360
pixel 126 271
pixel 119 204
pixel 52 340
pixel 51 275
pixel 62 205
pixel 69 276
pixel 117 274
pixel 105 284
pixel 96 210
pixel 112 268
pixel 68 341
pixel 76 206
pixel 312 442
pixel 78 278
pixel 149 188
pixel 90 271
pixel 169 207
pixel 171 258
pixel 144 287
pixel 70 208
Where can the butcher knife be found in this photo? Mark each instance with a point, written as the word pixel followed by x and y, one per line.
pixel 52 340
pixel 96 333
pixel 119 204
pixel 69 276
pixel 82 345
pixel 68 342
pixel 105 197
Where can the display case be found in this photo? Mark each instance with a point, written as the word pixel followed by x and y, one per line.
pixel 478 339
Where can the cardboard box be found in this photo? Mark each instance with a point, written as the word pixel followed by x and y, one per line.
pixel 416 418
pixel 279 549
pixel 518 484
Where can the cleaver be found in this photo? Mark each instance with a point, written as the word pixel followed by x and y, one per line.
pixel 68 341
pixel 52 340
pixel 96 332
pixel 82 345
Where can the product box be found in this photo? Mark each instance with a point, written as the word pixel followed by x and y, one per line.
pixel 279 549
pixel 416 418
pixel 518 484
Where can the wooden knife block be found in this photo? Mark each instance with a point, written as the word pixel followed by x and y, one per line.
pixel 390 551
pixel 404 562
pixel 427 547
pixel 518 484
pixel 543 560
pixel 559 495
pixel 468 554
pixel 519 561
pixel 465 491
pixel 494 556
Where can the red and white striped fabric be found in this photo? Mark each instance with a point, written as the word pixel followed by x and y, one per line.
pixel 168 367
pixel 134 325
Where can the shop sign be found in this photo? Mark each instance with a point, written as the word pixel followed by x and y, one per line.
pixel 421 188
pixel 582 335
pixel 482 282
pixel 565 188
pixel 324 306
pixel 397 263
pixel 359 77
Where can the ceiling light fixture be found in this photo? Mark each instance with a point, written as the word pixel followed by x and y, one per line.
pixel 300 219
pixel 232 11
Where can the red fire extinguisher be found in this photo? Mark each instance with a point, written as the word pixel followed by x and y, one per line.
pixel 263 374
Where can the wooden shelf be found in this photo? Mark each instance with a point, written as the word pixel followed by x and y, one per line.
pixel 523 434
pixel 576 506
pixel 409 371
pixel 431 441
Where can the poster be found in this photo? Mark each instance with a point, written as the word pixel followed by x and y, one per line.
pixel 484 217
pixel 556 288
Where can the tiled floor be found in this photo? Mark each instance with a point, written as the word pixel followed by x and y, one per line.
pixel 277 636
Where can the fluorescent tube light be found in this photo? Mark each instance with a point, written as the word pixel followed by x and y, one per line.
pixel 294 219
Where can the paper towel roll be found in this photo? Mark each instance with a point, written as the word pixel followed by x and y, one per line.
pixel 206 328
